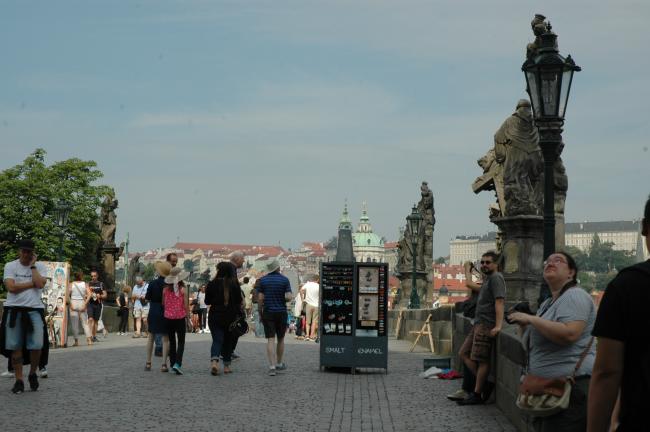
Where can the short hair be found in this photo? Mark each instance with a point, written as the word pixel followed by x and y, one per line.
pixel 246 279
pixel 492 254
pixel 169 256
pixel 236 254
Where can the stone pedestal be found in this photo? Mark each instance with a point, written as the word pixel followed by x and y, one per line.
pixel 109 254
pixel 522 257
pixel 422 287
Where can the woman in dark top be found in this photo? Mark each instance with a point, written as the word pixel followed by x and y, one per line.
pixel 156 320
pixel 224 297
pixel 123 311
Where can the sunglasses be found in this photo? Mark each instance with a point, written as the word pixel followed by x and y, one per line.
pixel 487 262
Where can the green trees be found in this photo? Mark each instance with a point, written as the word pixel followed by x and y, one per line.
pixel 600 264
pixel 28 194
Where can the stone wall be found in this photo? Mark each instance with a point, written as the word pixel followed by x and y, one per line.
pixel 506 369
pixel 413 319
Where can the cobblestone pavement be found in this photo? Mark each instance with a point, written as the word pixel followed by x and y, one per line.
pixel 104 388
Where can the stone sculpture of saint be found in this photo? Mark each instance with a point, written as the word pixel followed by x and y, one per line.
pixel 108 219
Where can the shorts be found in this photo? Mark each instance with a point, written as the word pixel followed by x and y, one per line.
pixel 94 311
pixel 140 312
pixel 14 336
pixel 312 314
pixel 481 350
pixel 275 324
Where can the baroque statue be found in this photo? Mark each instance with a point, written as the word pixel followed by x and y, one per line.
pixel 108 219
pixel 424 242
pixel 514 167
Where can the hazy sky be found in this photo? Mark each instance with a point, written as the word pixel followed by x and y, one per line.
pixel 252 121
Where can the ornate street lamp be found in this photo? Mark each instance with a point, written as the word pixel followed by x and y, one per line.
pixel 61 212
pixel 548 83
pixel 414 221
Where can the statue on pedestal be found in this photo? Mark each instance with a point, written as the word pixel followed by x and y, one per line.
pixel 108 251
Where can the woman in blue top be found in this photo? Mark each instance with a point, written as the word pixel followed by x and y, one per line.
pixel 557 336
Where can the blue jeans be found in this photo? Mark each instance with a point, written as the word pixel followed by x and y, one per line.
pixel 16 334
pixel 158 342
pixel 222 342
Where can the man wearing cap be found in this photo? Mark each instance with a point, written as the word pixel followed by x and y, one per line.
pixel 23 320
pixel 273 292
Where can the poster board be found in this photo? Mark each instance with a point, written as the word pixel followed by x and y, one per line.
pixel 55 301
pixel 353 315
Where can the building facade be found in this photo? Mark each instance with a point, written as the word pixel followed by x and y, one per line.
pixel 470 248
pixel 625 236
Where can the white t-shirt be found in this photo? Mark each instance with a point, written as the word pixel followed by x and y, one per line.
pixel 139 291
pixel 311 293
pixel 30 298
pixel 78 290
pixel 201 297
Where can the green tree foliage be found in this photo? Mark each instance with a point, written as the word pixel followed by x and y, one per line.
pixel 188 265
pixel 149 272
pixel 441 260
pixel 28 196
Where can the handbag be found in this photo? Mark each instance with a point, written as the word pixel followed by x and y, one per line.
pixel 239 327
pixel 543 397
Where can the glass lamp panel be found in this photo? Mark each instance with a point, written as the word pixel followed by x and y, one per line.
pixel 533 91
pixel 567 77
pixel 550 92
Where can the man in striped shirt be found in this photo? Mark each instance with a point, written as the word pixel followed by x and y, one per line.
pixel 273 294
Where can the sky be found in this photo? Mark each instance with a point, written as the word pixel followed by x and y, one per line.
pixel 253 121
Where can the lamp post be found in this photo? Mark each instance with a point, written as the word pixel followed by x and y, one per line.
pixel 61 213
pixel 414 221
pixel 548 82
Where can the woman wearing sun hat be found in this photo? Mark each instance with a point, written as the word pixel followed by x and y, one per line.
pixel 156 319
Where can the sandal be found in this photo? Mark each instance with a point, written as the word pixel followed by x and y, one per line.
pixel 164 368
pixel 147 366
pixel 227 370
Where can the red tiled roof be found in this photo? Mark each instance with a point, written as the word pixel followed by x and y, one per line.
pixel 390 245
pixel 273 251
pixel 313 246
pixel 451 284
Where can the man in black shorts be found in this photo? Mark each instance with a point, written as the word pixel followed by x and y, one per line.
pixel 96 302
pixel 274 292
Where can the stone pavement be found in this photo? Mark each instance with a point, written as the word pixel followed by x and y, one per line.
pixel 104 388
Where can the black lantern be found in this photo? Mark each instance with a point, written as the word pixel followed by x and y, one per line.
pixel 548 79
pixel 61 213
pixel 414 220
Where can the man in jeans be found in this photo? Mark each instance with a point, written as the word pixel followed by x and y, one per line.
pixel 488 323
pixel 273 292
pixel 23 313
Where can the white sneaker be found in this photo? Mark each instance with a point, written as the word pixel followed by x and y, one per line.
pixel 42 373
pixel 7 374
pixel 206 331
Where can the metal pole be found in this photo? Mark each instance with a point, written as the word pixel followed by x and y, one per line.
pixel 415 298
pixel 126 262
pixel 60 255
pixel 550 139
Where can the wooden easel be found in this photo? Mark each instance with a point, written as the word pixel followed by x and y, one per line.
pixel 425 330
pixel 399 323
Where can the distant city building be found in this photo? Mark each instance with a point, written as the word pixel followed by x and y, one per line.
pixel 625 236
pixel 367 246
pixel 470 248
